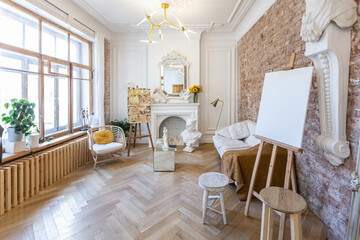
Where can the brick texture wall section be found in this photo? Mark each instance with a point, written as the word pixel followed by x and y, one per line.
pixel 107 81
pixel 267 47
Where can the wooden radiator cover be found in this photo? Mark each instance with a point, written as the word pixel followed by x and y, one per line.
pixel 27 176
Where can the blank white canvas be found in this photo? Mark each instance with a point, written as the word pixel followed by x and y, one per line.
pixel 283 106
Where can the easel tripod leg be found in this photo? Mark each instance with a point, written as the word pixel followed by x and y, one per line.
pixel 271 166
pixel 151 141
pixel 253 178
pixel 135 134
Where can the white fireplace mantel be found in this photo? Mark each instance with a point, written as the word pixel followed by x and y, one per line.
pixel 160 112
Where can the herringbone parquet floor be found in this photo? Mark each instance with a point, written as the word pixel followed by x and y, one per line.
pixel 127 200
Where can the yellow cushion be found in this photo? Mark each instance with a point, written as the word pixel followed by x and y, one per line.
pixel 103 137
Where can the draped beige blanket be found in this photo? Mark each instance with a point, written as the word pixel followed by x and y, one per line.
pixel 238 166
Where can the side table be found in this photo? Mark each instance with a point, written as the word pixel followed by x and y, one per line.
pixel 164 159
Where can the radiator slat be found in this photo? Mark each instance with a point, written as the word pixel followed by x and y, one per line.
pixel 2 192
pixel 20 167
pixel 26 179
pixel 7 188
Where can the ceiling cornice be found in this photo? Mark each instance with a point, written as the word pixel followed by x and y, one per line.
pixel 90 9
pixel 237 15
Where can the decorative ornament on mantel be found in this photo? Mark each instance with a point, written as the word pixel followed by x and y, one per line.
pixel 326 29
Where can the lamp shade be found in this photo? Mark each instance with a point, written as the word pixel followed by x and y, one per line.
pixel 214 103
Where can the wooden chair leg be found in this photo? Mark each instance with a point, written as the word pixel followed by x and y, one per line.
pixel 295 226
pixel 205 200
pixel 130 133
pixel 95 160
pixel 266 223
pixel 222 202
pixel 253 178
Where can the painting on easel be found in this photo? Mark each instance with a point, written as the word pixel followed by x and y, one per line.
pixel 139 105
pixel 139 111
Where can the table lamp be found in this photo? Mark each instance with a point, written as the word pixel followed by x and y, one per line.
pixel 214 104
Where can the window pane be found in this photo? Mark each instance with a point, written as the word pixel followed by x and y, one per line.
pixel 18 28
pixel 80 100
pixel 33 94
pixel 79 51
pixel 56 104
pixel 56 68
pixel 18 61
pixel 20 86
pixel 81 73
pixel 11 87
pixel 54 42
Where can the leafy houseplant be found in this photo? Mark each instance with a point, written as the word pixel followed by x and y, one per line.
pixel 123 124
pixel 20 118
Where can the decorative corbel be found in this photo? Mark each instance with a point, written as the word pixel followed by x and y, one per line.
pixel 326 29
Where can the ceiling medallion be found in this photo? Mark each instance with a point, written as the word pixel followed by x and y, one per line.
pixel 164 6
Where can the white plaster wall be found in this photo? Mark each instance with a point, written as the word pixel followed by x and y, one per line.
pixel 218 77
pixel 129 65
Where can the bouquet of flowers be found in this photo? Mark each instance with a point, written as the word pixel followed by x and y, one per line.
pixel 195 90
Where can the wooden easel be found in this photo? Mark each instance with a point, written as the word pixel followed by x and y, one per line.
pixel 289 172
pixel 138 127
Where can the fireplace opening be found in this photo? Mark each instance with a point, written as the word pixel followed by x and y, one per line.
pixel 174 125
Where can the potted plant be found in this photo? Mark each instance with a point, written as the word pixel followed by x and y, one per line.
pixel 123 124
pixel 20 118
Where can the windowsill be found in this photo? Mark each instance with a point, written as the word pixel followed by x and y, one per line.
pixel 7 157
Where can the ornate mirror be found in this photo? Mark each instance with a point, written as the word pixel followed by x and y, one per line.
pixel 174 70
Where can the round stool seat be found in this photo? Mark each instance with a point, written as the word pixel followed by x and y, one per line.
pixel 213 181
pixel 283 200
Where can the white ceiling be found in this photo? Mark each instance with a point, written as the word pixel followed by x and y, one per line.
pixel 123 15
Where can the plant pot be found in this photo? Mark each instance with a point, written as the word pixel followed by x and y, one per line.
pixel 34 140
pixel 13 136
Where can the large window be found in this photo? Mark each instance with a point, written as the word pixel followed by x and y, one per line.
pixel 45 64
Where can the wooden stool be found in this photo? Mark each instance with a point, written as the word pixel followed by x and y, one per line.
pixel 284 201
pixel 213 182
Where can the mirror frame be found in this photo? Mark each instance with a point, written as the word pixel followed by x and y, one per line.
pixel 178 57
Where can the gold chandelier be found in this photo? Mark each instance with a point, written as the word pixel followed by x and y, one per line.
pixel 148 17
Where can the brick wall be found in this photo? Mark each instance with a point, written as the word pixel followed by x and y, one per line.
pixel 107 81
pixel 267 47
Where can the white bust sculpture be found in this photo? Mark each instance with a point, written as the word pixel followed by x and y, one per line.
pixel 319 13
pixel 190 135
pixel 165 139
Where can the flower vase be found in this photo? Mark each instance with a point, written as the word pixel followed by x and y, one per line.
pixel 196 97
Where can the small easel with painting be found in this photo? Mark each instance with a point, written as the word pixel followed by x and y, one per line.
pixel 139 111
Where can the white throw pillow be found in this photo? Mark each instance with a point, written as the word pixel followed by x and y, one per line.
pixel 252 141
pixel 252 126
pixel 236 131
